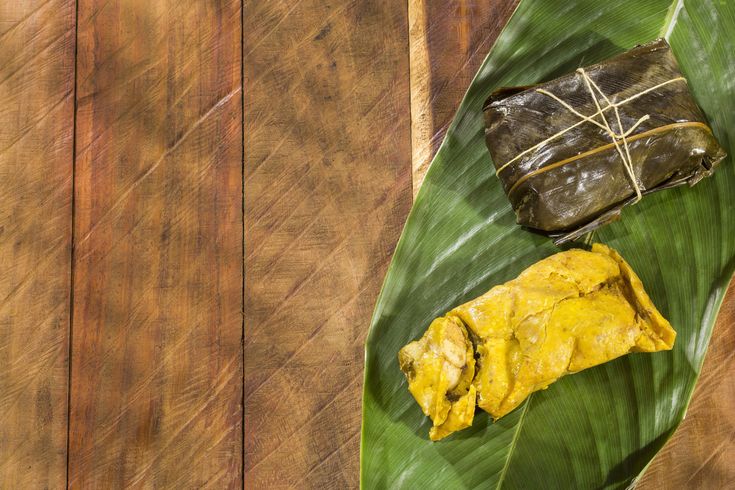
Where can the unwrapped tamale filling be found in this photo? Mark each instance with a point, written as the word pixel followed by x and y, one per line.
pixel 568 312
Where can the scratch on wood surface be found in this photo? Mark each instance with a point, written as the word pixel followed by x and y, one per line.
pixel 132 76
pixel 285 194
pixel 283 364
pixel 98 11
pixel 28 15
pixel 291 53
pixel 307 37
pixel 104 63
pixel 326 458
pixel 125 193
pixel 29 357
pixel 114 246
pixel 273 29
pixel 295 242
pixel 301 285
pixel 281 400
pixel 41 363
pixel 33 125
pixel 31 275
pixel 118 341
pixel 36 54
pixel 324 262
pixel 715 375
pixel 102 133
pixel 287 438
pixel 261 164
pixel 715 452
pixel 107 428
pixel 42 366
pixel 211 396
pixel 215 480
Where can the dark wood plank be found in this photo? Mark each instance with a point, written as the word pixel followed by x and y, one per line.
pixel 157 326
pixel 327 188
pixel 449 40
pixel 36 139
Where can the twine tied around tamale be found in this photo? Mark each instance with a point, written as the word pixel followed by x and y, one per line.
pixel 617 138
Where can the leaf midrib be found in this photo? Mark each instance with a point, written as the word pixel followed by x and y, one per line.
pixel 669 23
pixel 513 443
pixel 671 17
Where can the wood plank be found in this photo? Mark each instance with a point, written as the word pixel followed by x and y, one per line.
pixel 449 40
pixel 157 361
pixel 36 140
pixel 327 189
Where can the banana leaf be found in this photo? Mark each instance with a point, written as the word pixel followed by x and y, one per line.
pixel 599 428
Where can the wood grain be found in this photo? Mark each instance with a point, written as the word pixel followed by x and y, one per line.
pixel 36 139
pixel 156 361
pixel 327 189
pixel 450 39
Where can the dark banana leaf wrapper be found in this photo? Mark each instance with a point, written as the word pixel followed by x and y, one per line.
pixel 565 185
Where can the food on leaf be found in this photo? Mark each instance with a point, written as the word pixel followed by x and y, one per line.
pixel 571 311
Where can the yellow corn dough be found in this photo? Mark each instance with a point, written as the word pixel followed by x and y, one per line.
pixel 568 312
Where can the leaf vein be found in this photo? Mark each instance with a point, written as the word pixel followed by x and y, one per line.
pixel 513 443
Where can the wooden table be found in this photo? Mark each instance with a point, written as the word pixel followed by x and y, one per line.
pixel 166 166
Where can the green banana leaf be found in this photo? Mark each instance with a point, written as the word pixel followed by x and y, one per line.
pixel 599 428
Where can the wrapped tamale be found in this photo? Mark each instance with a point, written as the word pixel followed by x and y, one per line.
pixel 568 312
pixel 570 153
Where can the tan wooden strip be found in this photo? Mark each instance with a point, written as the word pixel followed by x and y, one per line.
pixel 422 119
pixel 36 140
pixel 156 360
pixel 327 189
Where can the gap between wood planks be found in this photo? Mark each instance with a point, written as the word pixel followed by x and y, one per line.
pixel 72 239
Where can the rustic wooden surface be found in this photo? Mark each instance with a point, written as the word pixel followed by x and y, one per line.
pixel 449 40
pixel 156 366
pixel 327 188
pixel 36 138
pixel 139 325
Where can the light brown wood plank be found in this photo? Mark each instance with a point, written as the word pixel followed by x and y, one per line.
pixel 327 188
pixel 36 139
pixel 157 326
pixel 449 40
